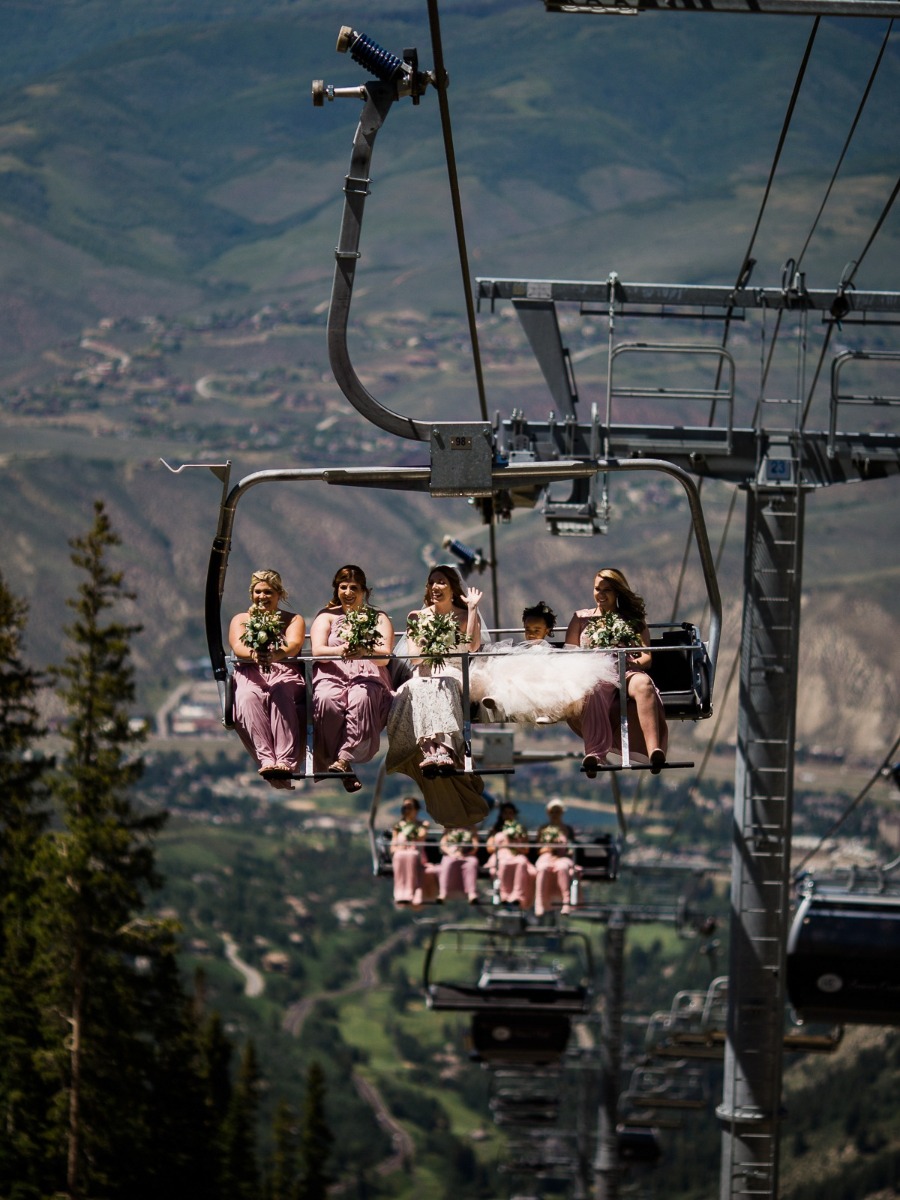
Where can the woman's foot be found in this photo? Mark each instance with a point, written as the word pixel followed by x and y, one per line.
pixel 342 767
pixel 591 763
pixel 276 771
pixel 657 760
pixel 438 763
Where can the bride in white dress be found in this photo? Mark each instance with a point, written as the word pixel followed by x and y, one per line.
pixel 425 724
pixel 532 681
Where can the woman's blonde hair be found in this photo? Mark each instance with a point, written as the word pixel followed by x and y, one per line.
pixel 272 578
pixel 629 604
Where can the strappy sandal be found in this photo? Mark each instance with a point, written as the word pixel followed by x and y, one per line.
pixel 349 780
pixel 448 765
pixel 276 771
pixel 429 765
pixel 437 764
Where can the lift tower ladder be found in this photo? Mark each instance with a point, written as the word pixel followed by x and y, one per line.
pixel 762 818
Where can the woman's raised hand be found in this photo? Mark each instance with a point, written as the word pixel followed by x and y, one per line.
pixel 472 598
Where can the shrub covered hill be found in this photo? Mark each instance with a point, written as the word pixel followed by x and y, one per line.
pixel 169 203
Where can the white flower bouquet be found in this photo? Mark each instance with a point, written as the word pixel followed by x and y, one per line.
pixel 461 838
pixel 360 631
pixel 552 834
pixel 413 831
pixel 436 634
pixel 516 834
pixel 263 632
pixel 608 631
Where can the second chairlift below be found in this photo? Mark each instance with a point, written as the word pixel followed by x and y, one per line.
pixel 443 673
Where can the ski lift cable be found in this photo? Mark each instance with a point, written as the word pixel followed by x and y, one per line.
pixel 747 261
pixel 857 263
pixel 792 103
pixel 449 153
pixel 846 146
pixel 886 761
pixel 846 281
pixel 440 75
pixel 812 230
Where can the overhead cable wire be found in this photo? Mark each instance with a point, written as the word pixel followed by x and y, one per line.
pixel 834 175
pixel 857 263
pixel 746 262
pixel 883 765
pixel 792 104
pixel 441 85
pixel 848 139
pixel 846 282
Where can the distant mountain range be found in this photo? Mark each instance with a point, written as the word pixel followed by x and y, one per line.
pixel 168 158
pixel 164 161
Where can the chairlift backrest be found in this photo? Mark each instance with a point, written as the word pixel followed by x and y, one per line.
pixel 512 1037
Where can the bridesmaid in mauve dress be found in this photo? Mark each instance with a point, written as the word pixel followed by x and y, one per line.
pixel 351 686
pixel 650 734
pixel 269 694
pixel 411 877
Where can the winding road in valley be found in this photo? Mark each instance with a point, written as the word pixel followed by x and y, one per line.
pixel 254 982
pixel 366 977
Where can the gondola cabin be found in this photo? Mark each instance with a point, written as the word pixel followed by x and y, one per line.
pixel 843 958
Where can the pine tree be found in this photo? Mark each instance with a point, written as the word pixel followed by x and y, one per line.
pixel 120 1043
pixel 240 1177
pixel 283 1174
pixel 316 1139
pixel 22 820
pixel 215 1067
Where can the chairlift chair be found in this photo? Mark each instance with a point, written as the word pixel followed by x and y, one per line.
pixel 520 971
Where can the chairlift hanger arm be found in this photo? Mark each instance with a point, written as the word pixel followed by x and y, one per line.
pixel 396 78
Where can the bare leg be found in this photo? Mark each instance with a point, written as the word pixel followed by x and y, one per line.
pixel 651 720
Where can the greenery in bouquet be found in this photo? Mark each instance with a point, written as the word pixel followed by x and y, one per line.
pixel 459 837
pixel 436 634
pixel 413 831
pixel 359 631
pixel 551 834
pixel 610 630
pixel 263 632
pixel 516 833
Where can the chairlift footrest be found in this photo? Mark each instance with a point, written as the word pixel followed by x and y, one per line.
pixel 666 766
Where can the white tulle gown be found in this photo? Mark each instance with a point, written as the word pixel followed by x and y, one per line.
pixel 535 682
